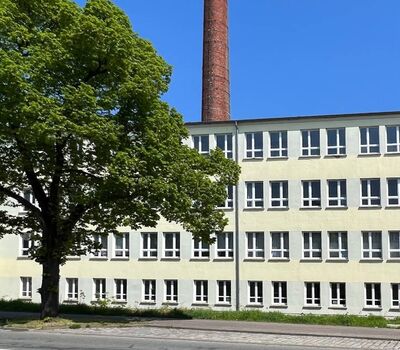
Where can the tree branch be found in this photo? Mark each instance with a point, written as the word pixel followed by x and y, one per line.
pixel 21 200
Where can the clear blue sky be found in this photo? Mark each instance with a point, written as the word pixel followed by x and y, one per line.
pixel 287 57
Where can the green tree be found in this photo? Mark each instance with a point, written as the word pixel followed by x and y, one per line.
pixel 83 128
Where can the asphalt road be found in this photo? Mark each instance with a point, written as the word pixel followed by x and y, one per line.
pixel 55 340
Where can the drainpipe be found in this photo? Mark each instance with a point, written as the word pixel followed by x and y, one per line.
pixel 237 261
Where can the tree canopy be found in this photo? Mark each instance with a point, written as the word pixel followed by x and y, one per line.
pixel 83 127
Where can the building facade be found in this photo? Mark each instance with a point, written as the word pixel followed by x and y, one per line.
pixel 314 227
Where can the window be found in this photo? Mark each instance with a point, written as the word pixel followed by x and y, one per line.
pixel 395 295
pixel 394 244
pixel 278 144
pixel 121 248
pixel 102 242
pixel 312 245
pixel 200 249
pixel 228 204
pixel 171 245
pixel 120 286
pixel 279 293
pixel 337 193
pixel 393 139
pixel 255 244
pixel 201 292
pixel 370 192
pixel 310 143
pixel 171 291
pixel 336 141
pixel 99 288
pixel 201 143
pixel 393 191
pixel 372 294
pixel 254 195
pixel 313 294
pixel 311 194
pixel 30 197
pixel 338 294
pixel 26 287
pixel 372 245
pixel 149 245
pixel 254 145
pixel 369 138
pixel 255 292
pixel 224 142
pixel 279 194
pixel 225 245
pixel 149 291
pixel 338 245
pixel 280 245
pixel 224 292
pixel 72 289
pixel 25 244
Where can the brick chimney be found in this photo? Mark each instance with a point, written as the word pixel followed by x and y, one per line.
pixel 215 100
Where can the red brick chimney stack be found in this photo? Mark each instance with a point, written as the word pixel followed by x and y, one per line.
pixel 215 101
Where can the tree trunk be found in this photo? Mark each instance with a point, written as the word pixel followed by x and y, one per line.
pixel 49 290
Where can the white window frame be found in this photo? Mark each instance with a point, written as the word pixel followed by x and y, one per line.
pixel 200 141
pixel 281 298
pixel 253 202
pixel 24 249
pixel 103 251
pixel 255 293
pixel 200 249
pixel 200 292
pixel 253 250
pixel 227 251
pixel 173 252
pixel 366 148
pixel 30 197
pixel 338 301
pixel 368 197
pixel 397 143
pixel 281 251
pixel 341 199
pixel 149 291
pixel 308 202
pixel 121 289
pixel 373 302
pixel 124 251
pixel 395 302
pixel 99 288
pixel 369 251
pixel 229 201
pixel 313 300
pixel 171 291
pixel 282 150
pixel 147 238
pixel 393 197
pixel 224 292
pixel 342 250
pixel 394 250
pixel 308 150
pixel 26 287
pixel 228 152
pixel 312 252
pixel 250 153
pixel 338 148
pixel 71 289
pixel 282 201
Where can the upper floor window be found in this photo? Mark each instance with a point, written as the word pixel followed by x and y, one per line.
pixel 224 247
pixel 254 145
pixel 149 245
pixel 120 289
pixel 310 143
pixel 25 244
pixel 369 140
pixel 171 291
pixel 279 293
pixel 255 244
pixel 224 292
pixel 121 245
pixel 312 248
pixel 228 204
pixel 337 194
pixel 336 141
pixel 30 197
pixel 99 288
pixel 338 294
pixel 393 139
pixel 373 295
pixel 393 191
pixel 201 143
pixel 102 242
pixel 278 144
pixel 338 245
pixel 201 292
pixel 72 289
pixel 394 244
pixel 370 192
pixel 372 245
pixel 149 291
pixel 200 249
pixel 224 142
pixel 26 287
pixel 313 293
pixel 279 194
pixel 254 195
pixel 171 245
pixel 311 194
pixel 279 245
pixel 255 292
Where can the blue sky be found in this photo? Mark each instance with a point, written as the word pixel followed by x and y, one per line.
pixel 287 57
